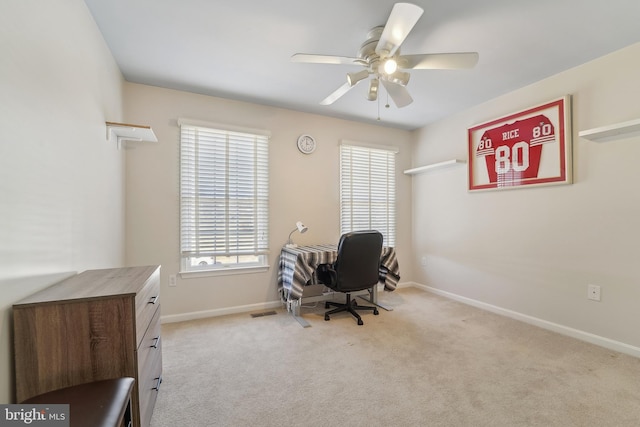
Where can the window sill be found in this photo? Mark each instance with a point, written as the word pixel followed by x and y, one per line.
pixel 223 272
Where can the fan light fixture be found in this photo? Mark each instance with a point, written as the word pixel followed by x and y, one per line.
pixel 353 78
pixel 373 90
pixel 380 55
pixel 390 66
pixel 299 227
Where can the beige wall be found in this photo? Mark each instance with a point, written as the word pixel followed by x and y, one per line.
pixel 302 187
pixel 533 251
pixel 61 182
pixel 527 251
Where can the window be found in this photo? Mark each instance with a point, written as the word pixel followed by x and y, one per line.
pixel 368 190
pixel 224 187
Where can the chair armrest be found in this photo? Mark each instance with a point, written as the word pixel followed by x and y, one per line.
pixel 326 274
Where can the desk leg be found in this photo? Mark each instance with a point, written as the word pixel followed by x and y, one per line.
pixel 373 299
pixel 293 306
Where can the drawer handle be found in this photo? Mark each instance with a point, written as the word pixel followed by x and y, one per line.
pixel 156 340
pixel 153 299
pixel 159 381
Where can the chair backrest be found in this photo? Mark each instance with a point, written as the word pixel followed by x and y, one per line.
pixel 358 262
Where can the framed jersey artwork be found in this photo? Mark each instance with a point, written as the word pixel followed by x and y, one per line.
pixel 528 148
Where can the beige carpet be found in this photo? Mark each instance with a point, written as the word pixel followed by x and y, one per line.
pixel 430 362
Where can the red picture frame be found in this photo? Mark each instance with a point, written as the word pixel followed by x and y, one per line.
pixel 524 149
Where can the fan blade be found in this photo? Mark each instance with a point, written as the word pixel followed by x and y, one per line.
pixel 401 21
pixel 439 61
pixel 325 59
pixel 336 94
pixel 399 94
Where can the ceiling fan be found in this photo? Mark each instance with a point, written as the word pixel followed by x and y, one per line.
pixel 380 56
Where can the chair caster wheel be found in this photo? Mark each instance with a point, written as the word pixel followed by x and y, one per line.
pixel 375 311
pixel 360 322
pixel 326 317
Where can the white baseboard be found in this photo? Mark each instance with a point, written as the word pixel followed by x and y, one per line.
pixel 555 327
pixel 183 317
pixel 173 318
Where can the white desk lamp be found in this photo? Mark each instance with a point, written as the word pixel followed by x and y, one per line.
pixel 299 227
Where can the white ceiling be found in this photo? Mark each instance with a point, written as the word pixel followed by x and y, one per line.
pixel 241 49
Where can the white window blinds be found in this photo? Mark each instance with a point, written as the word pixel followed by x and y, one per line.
pixel 368 190
pixel 224 188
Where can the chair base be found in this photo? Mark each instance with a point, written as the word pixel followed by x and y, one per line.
pixel 351 306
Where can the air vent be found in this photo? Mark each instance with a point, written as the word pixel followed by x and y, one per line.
pixel 266 313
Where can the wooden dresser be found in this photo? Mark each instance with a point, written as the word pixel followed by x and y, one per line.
pixel 96 325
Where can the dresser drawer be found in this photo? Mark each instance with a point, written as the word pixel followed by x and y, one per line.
pixel 147 303
pixel 151 345
pixel 150 380
pixel 149 394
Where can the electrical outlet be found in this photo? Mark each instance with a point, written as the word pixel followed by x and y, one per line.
pixel 173 280
pixel 423 261
pixel 593 292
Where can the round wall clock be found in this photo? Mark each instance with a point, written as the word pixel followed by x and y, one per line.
pixel 306 144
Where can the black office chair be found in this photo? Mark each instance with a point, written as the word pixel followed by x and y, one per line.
pixel 355 269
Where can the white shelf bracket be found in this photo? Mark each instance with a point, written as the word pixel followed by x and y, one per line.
pixel 127 132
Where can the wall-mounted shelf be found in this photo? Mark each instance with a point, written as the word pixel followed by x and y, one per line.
pixel 440 165
pixel 128 132
pixel 611 132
